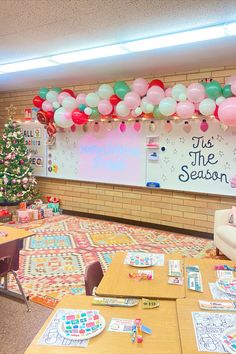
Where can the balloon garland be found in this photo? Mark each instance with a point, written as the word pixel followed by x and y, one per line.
pixel 64 109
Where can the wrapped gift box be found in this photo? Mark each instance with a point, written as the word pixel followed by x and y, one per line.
pixel 5 215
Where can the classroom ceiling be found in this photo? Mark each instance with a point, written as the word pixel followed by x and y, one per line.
pixel 36 28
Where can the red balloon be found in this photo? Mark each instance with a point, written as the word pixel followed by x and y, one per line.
pixel 114 100
pixel 156 82
pixel 51 129
pixel 216 113
pixel 79 117
pixel 38 101
pixel 50 116
pixel 70 92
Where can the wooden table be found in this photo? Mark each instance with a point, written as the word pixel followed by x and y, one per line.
pixel 13 234
pixel 163 322
pixel 185 307
pixel 116 281
pixel 209 275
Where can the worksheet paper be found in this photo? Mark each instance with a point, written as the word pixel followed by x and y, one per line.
pixel 208 327
pixel 51 336
pixel 217 294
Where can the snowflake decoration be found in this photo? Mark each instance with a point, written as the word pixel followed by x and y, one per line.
pixel 227 166
pixel 175 151
pixel 172 169
pixel 219 138
pixel 166 160
pixel 221 153
pixel 164 178
pixel 182 140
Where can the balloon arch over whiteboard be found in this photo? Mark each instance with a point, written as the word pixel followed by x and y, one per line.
pixel 63 109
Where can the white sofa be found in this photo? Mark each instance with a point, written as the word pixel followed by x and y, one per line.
pixel 224 235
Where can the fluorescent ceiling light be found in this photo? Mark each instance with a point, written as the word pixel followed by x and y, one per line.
pixel 169 40
pixel 26 65
pixel 89 54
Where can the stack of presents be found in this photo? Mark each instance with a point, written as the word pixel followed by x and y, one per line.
pixel 37 210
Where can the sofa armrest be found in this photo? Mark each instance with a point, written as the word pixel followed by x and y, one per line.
pixel 221 217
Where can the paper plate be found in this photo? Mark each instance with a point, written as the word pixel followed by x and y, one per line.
pixel 227 286
pixel 141 260
pixel 80 325
pixel 229 340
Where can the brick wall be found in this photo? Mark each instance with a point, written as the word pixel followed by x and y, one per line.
pixel 193 211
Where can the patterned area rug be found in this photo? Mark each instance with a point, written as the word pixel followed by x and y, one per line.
pixel 52 262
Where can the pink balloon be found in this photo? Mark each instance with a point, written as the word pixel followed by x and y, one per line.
pixel 155 94
pixel 195 92
pixel 168 92
pixel 185 109
pixel 47 106
pixel 227 112
pixel 62 96
pixel 105 107
pixel 140 86
pixel 81 98
pixel 233 88
pixel 132 100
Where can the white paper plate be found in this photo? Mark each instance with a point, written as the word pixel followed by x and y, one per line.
pixel 225 289
pixel 229 331
pixel 93 330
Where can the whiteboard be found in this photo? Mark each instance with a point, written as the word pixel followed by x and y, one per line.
pixel 103 156
pixel 194 161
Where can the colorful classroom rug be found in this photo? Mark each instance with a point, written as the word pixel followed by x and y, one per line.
pixel 53 261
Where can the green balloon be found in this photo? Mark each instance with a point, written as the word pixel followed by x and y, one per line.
pixel 156 113
pixel 43 91
pixel 227 91
pixel 213 90
pixel 57 89
pixel 121 89
pixel 95 114
pixel 82 107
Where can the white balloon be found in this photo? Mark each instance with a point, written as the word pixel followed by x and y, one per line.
pixel 167 106
pixel 69 103
pixel 51 96
pixel 219 100
pixel 122 110
pixel 105 91
pixel 207 107
pixel 179 92
pixel 92 99
pixel 88 111
pixel 61 119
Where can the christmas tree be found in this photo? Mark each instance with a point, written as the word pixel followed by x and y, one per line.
pixel 17 182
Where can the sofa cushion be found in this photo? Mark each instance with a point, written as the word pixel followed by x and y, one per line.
pixel 227 234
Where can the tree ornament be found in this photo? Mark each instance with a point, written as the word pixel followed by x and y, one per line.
pixel 137 125
pixel 96 127
pixel 204 125
pixel 187 127
pixel 122 127
pixel 168 126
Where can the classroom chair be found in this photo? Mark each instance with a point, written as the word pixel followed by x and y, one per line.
pixel 93 276
pixel 9 263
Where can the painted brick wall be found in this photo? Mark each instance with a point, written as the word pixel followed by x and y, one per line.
pixel 194 211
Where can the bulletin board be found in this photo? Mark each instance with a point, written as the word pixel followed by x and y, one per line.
pixel 35 140
pixel 185 160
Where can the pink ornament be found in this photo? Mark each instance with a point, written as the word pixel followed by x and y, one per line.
pixel 96 127
pixel 227 111
pixel 204 125
pixel 137 126
pixel 73 128
pixel 122 127
pixel 168 126
pixel 233 182
pixel 185 109
pixel 187 127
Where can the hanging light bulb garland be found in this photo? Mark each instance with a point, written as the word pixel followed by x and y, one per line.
pixel 137 125
pixel 204 125
pixel 122 127
pixel 187 127
pixel 152 126
pixel 168 126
